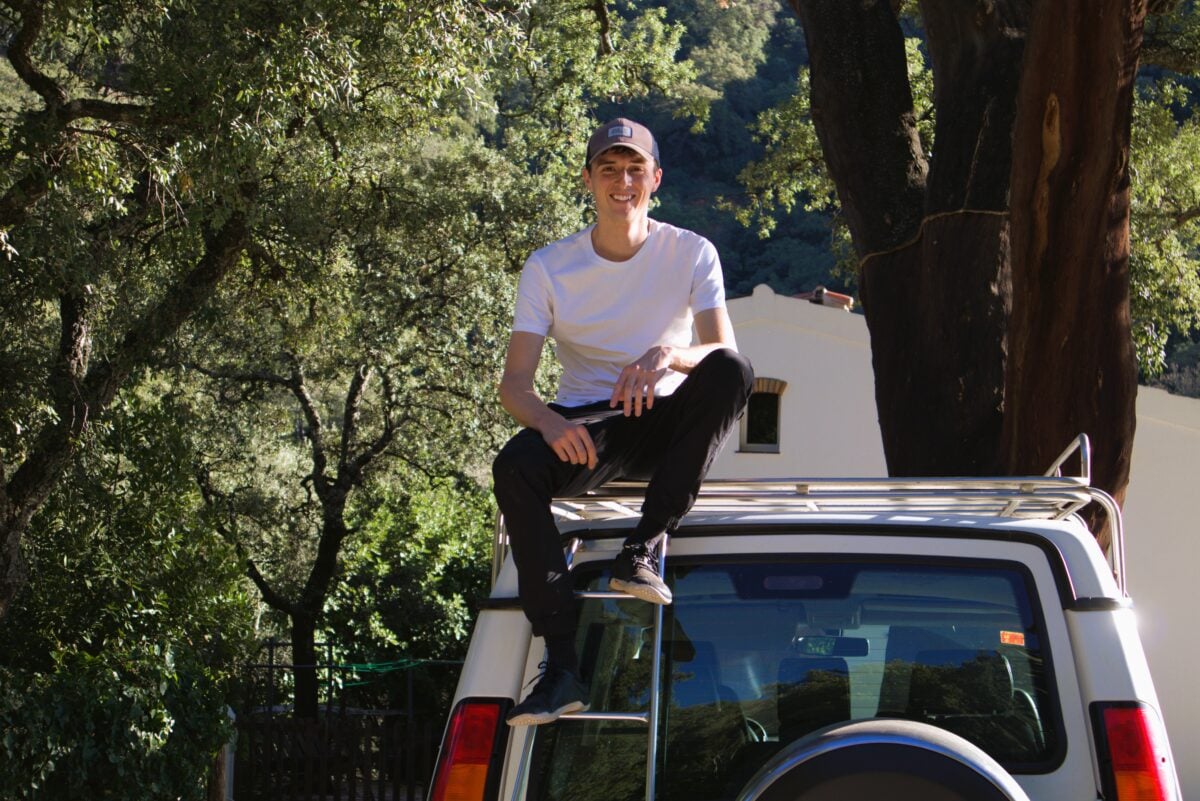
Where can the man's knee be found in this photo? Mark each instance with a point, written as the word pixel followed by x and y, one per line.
pixel 726 367
pixel 518 463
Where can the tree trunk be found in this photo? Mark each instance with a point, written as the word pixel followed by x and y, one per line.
pixel 999 320
pixel 863 112
pixel 1071 365
pixel 934 248
pixel 936 313
pixel 332 492
pixel 304 664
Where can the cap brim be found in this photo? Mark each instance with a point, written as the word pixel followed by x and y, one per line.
pixel 637 148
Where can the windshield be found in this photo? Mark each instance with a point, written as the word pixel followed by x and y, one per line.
pixel 758 654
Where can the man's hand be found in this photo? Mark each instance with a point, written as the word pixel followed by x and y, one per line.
pixel 571 442
pixel 635 385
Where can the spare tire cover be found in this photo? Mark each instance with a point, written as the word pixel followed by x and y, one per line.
pixel 898 760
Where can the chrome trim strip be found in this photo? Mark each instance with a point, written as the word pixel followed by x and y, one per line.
pixel 631 717
pixel 519 783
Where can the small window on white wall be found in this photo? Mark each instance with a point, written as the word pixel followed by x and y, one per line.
pixel 761 424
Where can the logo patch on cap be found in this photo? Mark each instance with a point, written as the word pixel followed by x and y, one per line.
pixel 620 130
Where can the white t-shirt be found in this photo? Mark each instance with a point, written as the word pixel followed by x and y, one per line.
pixel 604 314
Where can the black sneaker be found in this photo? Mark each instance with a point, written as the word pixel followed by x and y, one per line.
pixel 556 693
pixel 635 572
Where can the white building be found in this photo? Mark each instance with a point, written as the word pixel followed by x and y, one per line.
pixel 814 415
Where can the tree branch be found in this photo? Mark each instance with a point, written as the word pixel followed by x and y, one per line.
pixel 600 7
pixel 273 599
pixel 3 487
pixel 90 108
pixel 59 113
pixel 33 480
pixel 354 396
pixel 380 443
pixel 862 110
pixel 212 499
pixel 1182 217
pixel 74 352
pixel 250 377
pixel 315 429
pixel 24 193
pixel 18 55
pixel 334 148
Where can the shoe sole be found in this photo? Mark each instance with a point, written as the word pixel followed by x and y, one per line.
pixel 643 592
pixel 538 719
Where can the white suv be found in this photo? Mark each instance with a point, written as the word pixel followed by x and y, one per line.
pixel 831 640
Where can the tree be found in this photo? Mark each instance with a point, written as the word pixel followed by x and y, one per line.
pixel 116 663
pixel 994 272
pixel 385 361
pixel 1071 366
pixel 390 355
pixel 146 146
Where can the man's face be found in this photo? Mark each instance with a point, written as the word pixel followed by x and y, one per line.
pixel 622 181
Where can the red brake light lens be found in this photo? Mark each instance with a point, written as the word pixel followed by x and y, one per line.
pixel 1138 760
pixel 462 772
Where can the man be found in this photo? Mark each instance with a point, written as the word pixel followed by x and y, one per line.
pixel 636 398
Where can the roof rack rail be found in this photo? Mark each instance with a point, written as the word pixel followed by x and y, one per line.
pixel 1051 496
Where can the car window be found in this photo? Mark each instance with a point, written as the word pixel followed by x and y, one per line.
pixel 759 654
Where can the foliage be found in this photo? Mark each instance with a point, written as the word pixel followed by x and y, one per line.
pixel 1165 225
pixel 420 559
pixel 415 288
pixel 725 42
pixel 1172 38
pixel 136 725
pixel 356 185
pixel 156 145
pixel 382 349
pixel 574 57
pixel 792 169
pixel 113 664
pixel 1182 375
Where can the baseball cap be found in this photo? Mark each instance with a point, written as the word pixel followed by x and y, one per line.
pixel 625 132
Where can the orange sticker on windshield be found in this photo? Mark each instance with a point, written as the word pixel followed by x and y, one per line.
pixel 1012 638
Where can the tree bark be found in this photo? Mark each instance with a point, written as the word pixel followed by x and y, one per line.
pixel 1072 366
pixel 999 316
pixel 304 664
pixel 933 245
pixel 863 112
pixel 312 603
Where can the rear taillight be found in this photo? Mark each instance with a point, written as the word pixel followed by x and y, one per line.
pixel 1135 762
pixel 470 751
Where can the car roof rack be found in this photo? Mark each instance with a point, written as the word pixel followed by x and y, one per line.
pixel 1051 496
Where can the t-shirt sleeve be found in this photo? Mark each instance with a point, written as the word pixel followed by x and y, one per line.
pixel 535 311
pixel 708 284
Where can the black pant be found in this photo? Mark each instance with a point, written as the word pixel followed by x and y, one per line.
pixel 671 445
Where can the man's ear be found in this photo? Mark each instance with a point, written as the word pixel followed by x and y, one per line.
pixel 587 179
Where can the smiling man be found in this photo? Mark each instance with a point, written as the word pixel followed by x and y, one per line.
pixel 639 396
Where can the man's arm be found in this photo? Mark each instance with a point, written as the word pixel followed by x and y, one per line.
pixel 570 441
pixel 636 383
